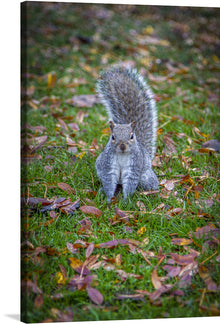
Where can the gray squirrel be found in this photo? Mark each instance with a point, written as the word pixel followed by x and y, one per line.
pixel 127 157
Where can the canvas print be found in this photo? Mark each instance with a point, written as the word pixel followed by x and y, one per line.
pixel 119 162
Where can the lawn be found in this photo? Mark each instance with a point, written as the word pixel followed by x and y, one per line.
pixel 155 254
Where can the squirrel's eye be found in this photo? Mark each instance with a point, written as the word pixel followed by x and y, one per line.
pixel 132 136
pixel 113 137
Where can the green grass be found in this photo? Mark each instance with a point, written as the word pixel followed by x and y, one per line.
pixel 78 41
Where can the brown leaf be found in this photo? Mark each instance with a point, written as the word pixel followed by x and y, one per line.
pixel 90 210
pixel 172 270
pixel 82 282
pixel 29 286
pixel 66 316
pixel 206 231
pixel 122 215
pixel 134 296
pixel 212 309
pixel 40 140
pixel 38 302
pixel 162 290
pixel 74 127
pixel 78 266
pixel 95 295
pixel 168 184
pixel 91 261
pixel 124 275
pixel 31 201
pixel 175 211
pixel 84 100
pixel 89 249
pixel 63 124
pixel 71 248
pixel 52 214
pixel 118 260
pixel 169 144
pixel 66 187
pixel 206 276
pixel 141 206
pixel 80 116
pixel 155 279
pixel 181 241
pixel 183 259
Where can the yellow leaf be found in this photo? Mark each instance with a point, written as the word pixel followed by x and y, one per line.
pixel 51 79
pixel 148 30
pixel 81 155
pixel 75 263
pixel 141 230
pixel 60 278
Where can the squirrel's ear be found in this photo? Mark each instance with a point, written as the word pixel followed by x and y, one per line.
pixel 133 125
pixel 111 124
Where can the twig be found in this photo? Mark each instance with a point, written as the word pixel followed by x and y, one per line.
pixel 208 258
pixel 146 259
pixel 202 297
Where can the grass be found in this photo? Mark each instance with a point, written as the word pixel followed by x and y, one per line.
pixel 78 41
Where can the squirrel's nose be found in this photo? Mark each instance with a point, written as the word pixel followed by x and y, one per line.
pixel 122 147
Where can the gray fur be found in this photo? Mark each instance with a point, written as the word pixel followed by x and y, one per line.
pixel 127 156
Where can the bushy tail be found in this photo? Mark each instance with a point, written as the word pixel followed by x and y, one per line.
pixel 127 98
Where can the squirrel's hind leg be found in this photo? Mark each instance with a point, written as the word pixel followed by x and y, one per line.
pixel 149 180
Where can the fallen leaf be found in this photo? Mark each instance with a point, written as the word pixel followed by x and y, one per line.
pixel 155 279
pixel 132 296
pixel 89 249
pixel 212 309
pixel 66 187
pixel 173 271
pixel 62 124
pixel 124 275
pixel 90 210
pixel 71 248
pixel 95 295
pixel 66 316
pixel 51 79
pixel 74 127
pixel 169 144
pixel 181 241
pixel 84 101
pixel 206 277
pixel 206 232
pixel 141 206
pixel 38 302
pixel 168 184
pixel 183 259
pixel 122 215
pixel 176 211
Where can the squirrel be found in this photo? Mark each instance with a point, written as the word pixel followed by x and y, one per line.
pixel 127 157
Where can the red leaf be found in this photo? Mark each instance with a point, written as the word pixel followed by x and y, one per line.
pixel 90 210
pixel 95 295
